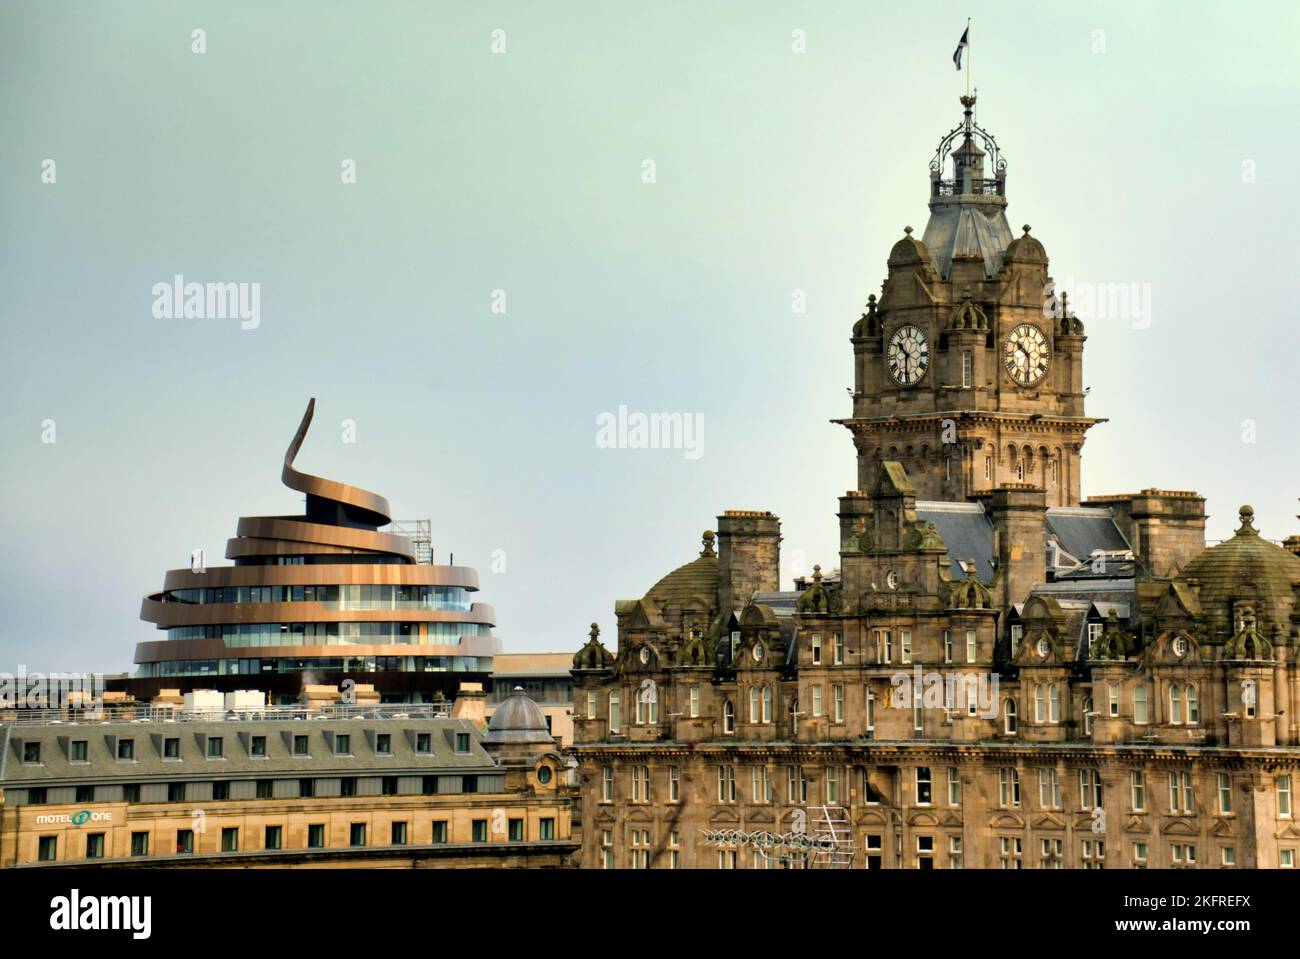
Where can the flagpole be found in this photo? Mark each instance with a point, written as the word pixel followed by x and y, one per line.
pixel 969 55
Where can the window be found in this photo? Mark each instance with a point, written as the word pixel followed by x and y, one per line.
pixel 615 711
pixel 924 850
pixel 1140 705
pixel 1284 796
pixel 832 785
pixel 1017 634
pixel 171 748
pixel 1094 854
pixel 1008 786
pixel 871 712
pixel 1009 852
pixel 607 783
pixel 640 849
pixel 674 850
pixel 36 796
pixel 1286 858
pixel 1138 789
pixel 1053 851
pixel 923 785
pixel 220 791
pixel 1139 855
pixel 1175 704
pixel 1225 794
pixel 176 792
pixel 954 786
pixel 838 645
pixel 1049 788
pixel 1112 694
pixel 439 836
pixel 131 793
pixel 342 744
pixel 95 845
pixel 917 718
pixel 139 844
pixel 796 785
pixel 1009 717
pixel 607 849
pixel 316 836
pixel 726 784
pixel 674 784
pixel 1040 702
pixel 816 699
pixel 85 794
pixel 1089 789
pixel 884 646
pixel 79 751
pixel 695 702
pixel 1228 855
pixel 817 649
pixel 988 467
pixel 726 859
pixel 640 783
pixel 216 748
pixel 967 369
pixel 1054 703
pixel 767 704
pixel 184 841
pixel 947 645
pixel 1087 716
pixel 972 646
pixel 300 745
pixel 591 704
pixel 348 786
pixel 462 742
pixel 257 746
pixel 753 704
pixel 1182 798
pixel 126 750
pixel 1193 706
pixel 306 788
pixel 546 828
pixel 837 703
pixel 274 834
pixel 1183 855
pixel 388 786
pixel 904 645
pixel 357 832
pixel 384 744
pixel 762 786
pixel 47 849
pixel 728 718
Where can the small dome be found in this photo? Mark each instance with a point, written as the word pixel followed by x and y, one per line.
pixel 908 251
pixel 698 578
pixel 1025 249
pixel 518 720
pixel 1245 569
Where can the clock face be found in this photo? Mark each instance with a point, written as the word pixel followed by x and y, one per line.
pixel 908 355
pixel 1026 354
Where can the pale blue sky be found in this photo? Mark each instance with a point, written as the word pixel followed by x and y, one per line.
pixel 522 171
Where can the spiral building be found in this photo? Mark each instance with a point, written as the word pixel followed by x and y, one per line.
pixel 318 599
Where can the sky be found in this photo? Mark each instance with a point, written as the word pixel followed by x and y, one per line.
pixel 561 210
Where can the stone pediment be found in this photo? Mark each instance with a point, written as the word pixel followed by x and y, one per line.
pixel 923 819
pixel 873 817
pixel 604 814
pixel 1007 820
pixel 724 816
pixel 1137 824
pixel 763 816
pixel 1049 821
pixel 638 814
pixel 1179 827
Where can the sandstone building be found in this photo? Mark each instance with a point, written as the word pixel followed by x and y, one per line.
pixel 999 673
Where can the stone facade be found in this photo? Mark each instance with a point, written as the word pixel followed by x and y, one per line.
pixel 997 675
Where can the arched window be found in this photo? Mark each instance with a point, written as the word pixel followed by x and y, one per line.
pixel 639 706
pixel 1175 704
pixel 767 704
pixel 1054 704
pixel 1140 705
pixel 1193 706
pixel 1009 717
pixel 728 718
pixel 615 711
pixel 1039 703
pixel 753 704
pixel 1087 716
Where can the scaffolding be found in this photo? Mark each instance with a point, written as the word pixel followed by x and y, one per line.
pixel 420 533
pixel 828 846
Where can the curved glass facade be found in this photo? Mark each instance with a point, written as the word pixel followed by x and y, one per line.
pixel 332 634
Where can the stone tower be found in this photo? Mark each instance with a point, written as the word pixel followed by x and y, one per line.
pixel 968 369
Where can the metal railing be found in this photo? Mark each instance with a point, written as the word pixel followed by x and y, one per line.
pixel 984 187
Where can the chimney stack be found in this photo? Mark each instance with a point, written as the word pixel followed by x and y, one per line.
pixel 749 555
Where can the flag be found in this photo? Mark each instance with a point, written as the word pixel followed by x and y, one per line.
pixel 962 44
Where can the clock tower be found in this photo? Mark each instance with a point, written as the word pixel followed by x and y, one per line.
pixel 968 369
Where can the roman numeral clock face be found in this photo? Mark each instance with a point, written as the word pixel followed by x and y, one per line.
pixel 1026 354
pixel 908 355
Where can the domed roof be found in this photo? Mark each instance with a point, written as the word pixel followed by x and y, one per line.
pixel 518 720
pixel 698 578
pixel 1246 567
pixel 908 251
pixel 1025 249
